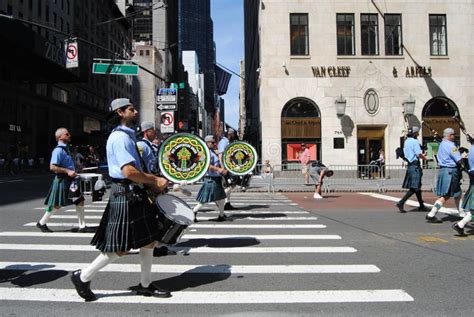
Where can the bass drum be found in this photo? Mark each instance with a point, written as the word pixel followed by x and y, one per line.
pixel 239 158
pixel 184 157
pixel 175 215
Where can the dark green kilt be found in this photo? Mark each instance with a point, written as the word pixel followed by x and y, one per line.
pixel 128 222
pixel 468 202
pixel 58 193
pixel 211 190
pixel 449 182
pixel 413 177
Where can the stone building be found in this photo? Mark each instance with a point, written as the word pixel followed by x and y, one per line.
pixel 349 77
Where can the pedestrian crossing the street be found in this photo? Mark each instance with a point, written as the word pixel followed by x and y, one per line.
pixel 268 238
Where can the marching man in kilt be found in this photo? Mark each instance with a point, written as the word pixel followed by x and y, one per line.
pixel 212 190
pixel 130 219
pixel 412 181
pixel 62 164
pixel 468 204
pixel 449 177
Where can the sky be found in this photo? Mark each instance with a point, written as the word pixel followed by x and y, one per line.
pixel 229 38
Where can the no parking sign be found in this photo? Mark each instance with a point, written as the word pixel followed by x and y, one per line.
pixel 167 122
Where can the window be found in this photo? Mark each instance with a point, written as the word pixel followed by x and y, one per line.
pixel 55 19
pixel 369 34
pixel 46 13
pixel 438 35
pixel 61 23
pixel 141 52
pixel 393 34
pixel 147 52
pixel 39 8
pixel 299 34
pixel 345 34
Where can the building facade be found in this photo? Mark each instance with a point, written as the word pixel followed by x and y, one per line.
pixel 37 93
pixel 349 78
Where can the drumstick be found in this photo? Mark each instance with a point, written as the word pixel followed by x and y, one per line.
pixel 178 187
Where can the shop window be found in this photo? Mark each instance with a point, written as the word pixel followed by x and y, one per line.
pixel 338 143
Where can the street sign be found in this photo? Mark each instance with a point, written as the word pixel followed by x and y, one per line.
pixel 169 106
pixel 72 55
pixel 167 95
pixel 167 122
pixel 115 69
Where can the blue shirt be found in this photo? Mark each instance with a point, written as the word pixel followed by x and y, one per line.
pixel 222 144
pixel 411 149
pixel 470 159
pixel 61 157
pixel 121 150
pixel 448 154
pixel 149 157
pixel 214 162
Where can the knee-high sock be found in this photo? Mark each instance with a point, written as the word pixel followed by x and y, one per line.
pixel 228 191
pixel 220 204
pixel 146 259
pixel 408 194
pixel 436 207
pixel 80 216
pixel 98 264
pixel 465 220
pixel 197 207
pixel 419 198
pixel 47 215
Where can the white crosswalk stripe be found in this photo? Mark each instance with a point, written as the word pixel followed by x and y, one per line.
pixel 275 229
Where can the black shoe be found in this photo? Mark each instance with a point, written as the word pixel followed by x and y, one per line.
pixel 161 251
pixel 433 219
pixel 151 290
pixel 83 230
pixel 221 218
pixel 43 228
pixel 195 218
pixel 83 289
pixel 228 206
pixel 400 207
pixel 423 208
pixel 458 229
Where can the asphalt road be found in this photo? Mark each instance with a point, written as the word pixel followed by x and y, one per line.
pixel 278 255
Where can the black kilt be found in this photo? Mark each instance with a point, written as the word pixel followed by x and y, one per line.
pixel 413 177
pixel 129 221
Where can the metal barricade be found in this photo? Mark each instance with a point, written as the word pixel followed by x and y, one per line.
pixel 395 174
pixel 262 176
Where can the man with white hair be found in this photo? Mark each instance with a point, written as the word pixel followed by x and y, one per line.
pixel 62 164
pixel 449 177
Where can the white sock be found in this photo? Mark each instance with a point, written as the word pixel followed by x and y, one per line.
pixel 197 207
pixel 220 204
pixel 464 220
pixel 436 207
pixel 80 216
pixel 146 259
pixel 47 215
pixel 98 264
pixel 228 191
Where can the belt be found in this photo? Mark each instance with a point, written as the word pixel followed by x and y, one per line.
pixel 414 163
pixel 122 181
pixel 448 167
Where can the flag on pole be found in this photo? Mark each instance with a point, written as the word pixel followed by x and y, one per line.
pixel 222 80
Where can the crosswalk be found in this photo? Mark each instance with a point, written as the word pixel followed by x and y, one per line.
pixel 273 240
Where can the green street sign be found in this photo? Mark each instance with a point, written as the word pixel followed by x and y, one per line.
pixel 115 69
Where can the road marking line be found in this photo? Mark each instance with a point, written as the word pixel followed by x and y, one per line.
pixel 205 218
pixel 202 269
pixel 198 225
pixel 186 250
pixel 413 203
pixel 249 297
pixel 185 236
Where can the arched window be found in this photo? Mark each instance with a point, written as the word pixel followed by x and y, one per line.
pixel 300 108
pixel 439 107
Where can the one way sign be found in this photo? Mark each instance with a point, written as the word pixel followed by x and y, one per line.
pixel 170 106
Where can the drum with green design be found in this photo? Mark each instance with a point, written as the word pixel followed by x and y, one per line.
pixel 184 157
pixel 239 158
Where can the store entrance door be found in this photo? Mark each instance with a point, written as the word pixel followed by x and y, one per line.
pixel 370 140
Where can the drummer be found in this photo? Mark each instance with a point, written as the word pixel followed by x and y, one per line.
pixel 220 151
pixel 468 204
pixel 129 220
pixel 62 165
pixel 212 190
pixel 147 149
